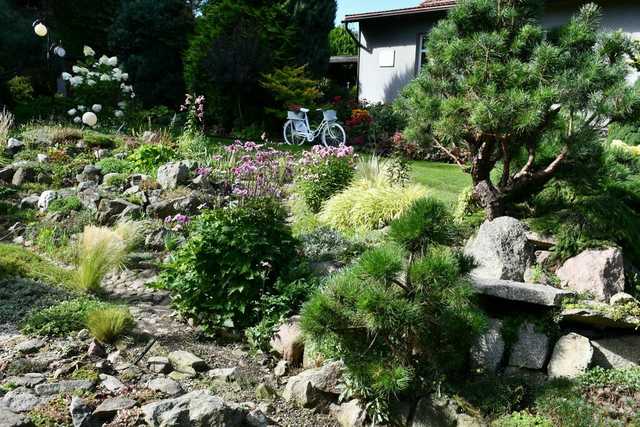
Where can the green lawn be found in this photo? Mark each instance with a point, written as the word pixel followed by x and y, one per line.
pixel 446 181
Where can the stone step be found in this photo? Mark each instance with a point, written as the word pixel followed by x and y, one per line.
pixel 599 319
pixel 521 292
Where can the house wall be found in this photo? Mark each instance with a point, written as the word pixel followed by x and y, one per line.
pixel 400 35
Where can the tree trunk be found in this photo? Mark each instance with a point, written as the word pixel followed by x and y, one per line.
pixel 489 198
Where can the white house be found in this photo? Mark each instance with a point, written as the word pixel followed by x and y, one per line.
pixel 392 41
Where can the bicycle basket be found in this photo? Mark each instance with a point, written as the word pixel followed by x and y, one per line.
pixel 330 115
pixel 292 115
pixel 300 126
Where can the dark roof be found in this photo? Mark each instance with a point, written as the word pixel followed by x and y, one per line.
pixel 426 6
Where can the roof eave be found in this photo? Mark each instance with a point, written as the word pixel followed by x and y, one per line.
pixel 394 13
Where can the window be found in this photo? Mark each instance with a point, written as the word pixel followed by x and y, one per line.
pixel 421 57
pixel 387 58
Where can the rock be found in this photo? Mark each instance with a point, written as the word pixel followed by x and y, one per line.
pixel 350 414
pixel 195 409
pixel 186 362
pixel 172 174
pixel 528 376
pixel 223 374
pixel 598 272
pixel 165 385
pixel 85 185
pixel 150 137
pixel 137 179
pixel 42 158
pixel 111 383
pixel 6 173
pixel 501 249
pixel 539 241
pixel 599 318
pixel 314 387
pixel 66 386
pixel 179 376
pixel 542 257
pixel 14 146
pixel 90 197
pixel 29 202
pixel 20 400
pixel 109 177
pixel 80 412
pixel 257 418
pixel 27 380
pixel 96 350
pixel 185 205
pixel 531 349
pixel 10 419
pixel 312 358
pixel 159 364
pixel 617 352
pixel 281 368
pixel 90 173
pixel 571 357
pixel 433 411
pixel 30 346
pixel 113 405
pixel 621 298
pixel 488 350
pixel 288 341
pixel 110 210
pixel 46 198
pixel 265 392
pixel 21 176
pixel 522 292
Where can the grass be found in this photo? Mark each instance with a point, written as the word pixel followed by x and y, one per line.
pixel 445 181
pixel 16 261
pixel 108 324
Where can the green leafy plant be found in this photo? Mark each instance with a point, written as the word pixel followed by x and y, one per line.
pixel 61 319
pixel 108 324
pixel 114 165
pixel 232 257
pixel 290 87
pixel 65 205
pixel 522 419
pixel 148 157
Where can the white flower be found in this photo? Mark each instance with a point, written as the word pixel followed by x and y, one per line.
pixel 122 105
pixel 104 60
pixel 76 81
pixel 81 108
pixel 66 76
pixel 72 112
pixel 117 71
pixel 113 61
pixel 75 69
pixel 133 95
pixel 105 78
pixel 88 51
pixel 96 108
pixel 118 113
pixel 77 119
pixel 91 82
pixel 125 76
pixel 125 88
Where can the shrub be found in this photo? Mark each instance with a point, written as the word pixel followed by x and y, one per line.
pixel 61 319
pixel 114 165
pixel 364 207
pixel 16 261
pixel 290 87
pixel 20 89
pixel 65 205
pixel 324 172
pixel 148 157
pixel 233 256
pixel 627 133
pixel 108 324
pixel 326 244
pixel 522 419
pixel 427 221
pixel 100 140
pixel 118 181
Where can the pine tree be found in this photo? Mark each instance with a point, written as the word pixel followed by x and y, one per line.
pixel 516 95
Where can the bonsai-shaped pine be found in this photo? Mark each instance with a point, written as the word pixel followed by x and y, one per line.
pixel 402 317
pixel 512 93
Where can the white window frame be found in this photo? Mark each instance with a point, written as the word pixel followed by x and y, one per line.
pixel 421 49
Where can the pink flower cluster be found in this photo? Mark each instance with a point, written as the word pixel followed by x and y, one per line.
pixel 177 222
pixel 197 105
pixel 319 153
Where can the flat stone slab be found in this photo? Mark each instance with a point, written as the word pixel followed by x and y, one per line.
pixel 599 319
pixel 522 292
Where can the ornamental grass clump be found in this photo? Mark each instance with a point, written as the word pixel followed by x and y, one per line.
pixel 6 123
pixel 403 317
pixel 108 324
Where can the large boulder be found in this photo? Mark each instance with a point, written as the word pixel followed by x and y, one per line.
pixel 46 198
pixel 531 348
pixel 315 387
pixel 90 173
pixel 501 249
pixel 598 272
pixel 14 146
pixel 186 362
pixel 20 400
pixel 11 419
pixel 181 205
pixel 195 409
pixel 288 341
pixel 488 350
pixel 433 411
pixel 110 210
pixel 571 357
pixel 617 352
pixel 509 290
pixel 349 414
pixel 173 174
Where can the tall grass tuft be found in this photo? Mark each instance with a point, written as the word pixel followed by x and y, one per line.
pixel 373 170
pixel 108 324
pixel 6 123
pixel 100 250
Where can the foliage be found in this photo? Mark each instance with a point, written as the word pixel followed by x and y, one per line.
pixel 500 87
pixel 341 43
pixel 65 205
pixel 61 319
pixel 233 256
pixel 114 165
pixel 326 244
pixel 625 132
pixel 108 324
pixel 20 89
pixel 148 157
pixel 6 123
pixel 385 124
pixel 16 261
pixel 522 419
pixel 150 36
pixel 323 173
pixel 292 88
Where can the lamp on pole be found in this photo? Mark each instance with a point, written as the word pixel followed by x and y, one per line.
pixel 52 49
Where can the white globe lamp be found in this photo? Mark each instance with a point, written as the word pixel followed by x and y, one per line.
pixel 90 119
pixel 40 29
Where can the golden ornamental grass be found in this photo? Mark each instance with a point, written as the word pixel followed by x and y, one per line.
pixel 108 324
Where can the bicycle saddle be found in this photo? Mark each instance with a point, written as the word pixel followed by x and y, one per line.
pixel 304 110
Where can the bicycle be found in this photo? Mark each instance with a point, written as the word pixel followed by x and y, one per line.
pixel 297 129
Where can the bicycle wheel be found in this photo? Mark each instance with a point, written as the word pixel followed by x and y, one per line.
pixel 291 136
pixel 333 135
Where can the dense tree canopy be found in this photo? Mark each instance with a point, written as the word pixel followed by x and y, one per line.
pixel 341 43
pixel 516 95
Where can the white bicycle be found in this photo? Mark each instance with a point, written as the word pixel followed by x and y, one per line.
pixel 297 129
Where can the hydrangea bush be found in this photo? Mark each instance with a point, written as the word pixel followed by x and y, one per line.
pixel 100 87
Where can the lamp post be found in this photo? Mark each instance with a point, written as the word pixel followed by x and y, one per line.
pixel 52 49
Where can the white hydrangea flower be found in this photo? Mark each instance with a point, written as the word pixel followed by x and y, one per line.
pixel 72 112
pixel 113 61
pixel 122 105
pixel 88 51
pixel 66 76
pixel 126 88
pixel 125 76
pixel 77 119
pixel 91 82
pixel 105 77
pixel 118 113
pixel 96 108
pixel 81 108
pixel 133 95
pixel 104 60
pixel 76 81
